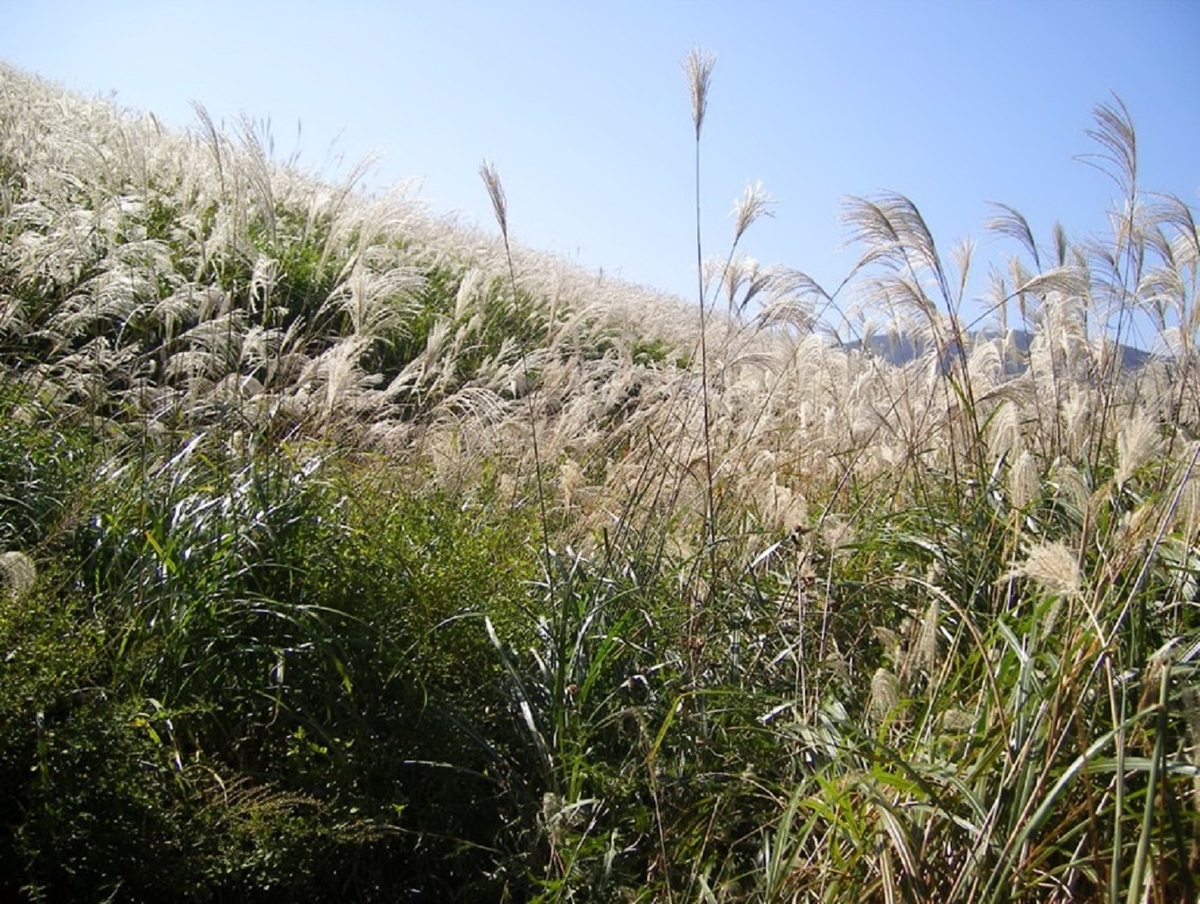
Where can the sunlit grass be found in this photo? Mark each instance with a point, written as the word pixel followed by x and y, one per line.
pixel 347 553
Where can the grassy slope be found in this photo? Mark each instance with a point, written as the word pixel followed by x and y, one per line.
pixel 291 608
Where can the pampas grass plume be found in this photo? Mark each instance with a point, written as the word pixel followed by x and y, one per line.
pixel 699 66
pixel 885 695
pixel 755 202
pixel 17 574
pixel 491 179
pixel 1052 567
pixel 1137 443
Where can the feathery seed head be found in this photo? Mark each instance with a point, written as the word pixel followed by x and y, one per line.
pixel 885 695
pixel 985 367
pixel 571 479
pixel 956 721
pixel 699 66
pixel 1077 419
pixel 755 202
pixel 925 649
pixel 1024 481
pixel 838 532
pixel 1004 431
pixel 1137 443
pixel 491 179
pixel 1187 515
pixel 1071 486
pixel 1051 566
pixel 17 574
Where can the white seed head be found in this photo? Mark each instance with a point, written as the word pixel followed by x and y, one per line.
pixel 1004 431
pixel 1077 420
pixel 491 179
pixel 925 647
pixel 1137 443
pixel 17 574
pixel 699 66
pixel 1052 567
pixel 1071 485
pixel 885 695
pixel 570 480
pixel 1024 481
pixel 1187 514
pixel 755 202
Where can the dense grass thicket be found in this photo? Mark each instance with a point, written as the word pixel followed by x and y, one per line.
pixel 348 554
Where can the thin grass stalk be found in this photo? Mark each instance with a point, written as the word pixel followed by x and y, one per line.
pixel 997 887
pixel 699 66
pixel 1118 844
pixel 491 179
pixel 1138 876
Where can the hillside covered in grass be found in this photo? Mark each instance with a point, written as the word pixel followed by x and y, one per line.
pixel 347 553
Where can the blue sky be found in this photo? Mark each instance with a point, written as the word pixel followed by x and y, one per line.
pixel 583 107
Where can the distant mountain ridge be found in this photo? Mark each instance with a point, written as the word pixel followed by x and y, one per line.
pixel 903 348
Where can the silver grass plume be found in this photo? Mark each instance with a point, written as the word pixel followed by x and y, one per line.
pixel 896 235
pixel 1024 480
pixel 699 66
pixel 755 202
pixel 985 367
pixel 1187 516
pixel 1052 567
pixel 1071 486
pixel 1011 222
pixel 1004 431
pixel 924 654
pixel 491 179
pixel 1115 134
pixel 17 574
pixel 1137 442
pixel 885 695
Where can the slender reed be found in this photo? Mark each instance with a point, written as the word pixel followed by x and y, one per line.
pixel 698 65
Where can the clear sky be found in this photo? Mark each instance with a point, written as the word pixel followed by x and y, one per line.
pixel 584 110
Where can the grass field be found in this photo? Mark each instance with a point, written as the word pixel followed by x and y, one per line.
pixel 350 554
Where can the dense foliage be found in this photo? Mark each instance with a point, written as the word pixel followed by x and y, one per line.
pixel 348 554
